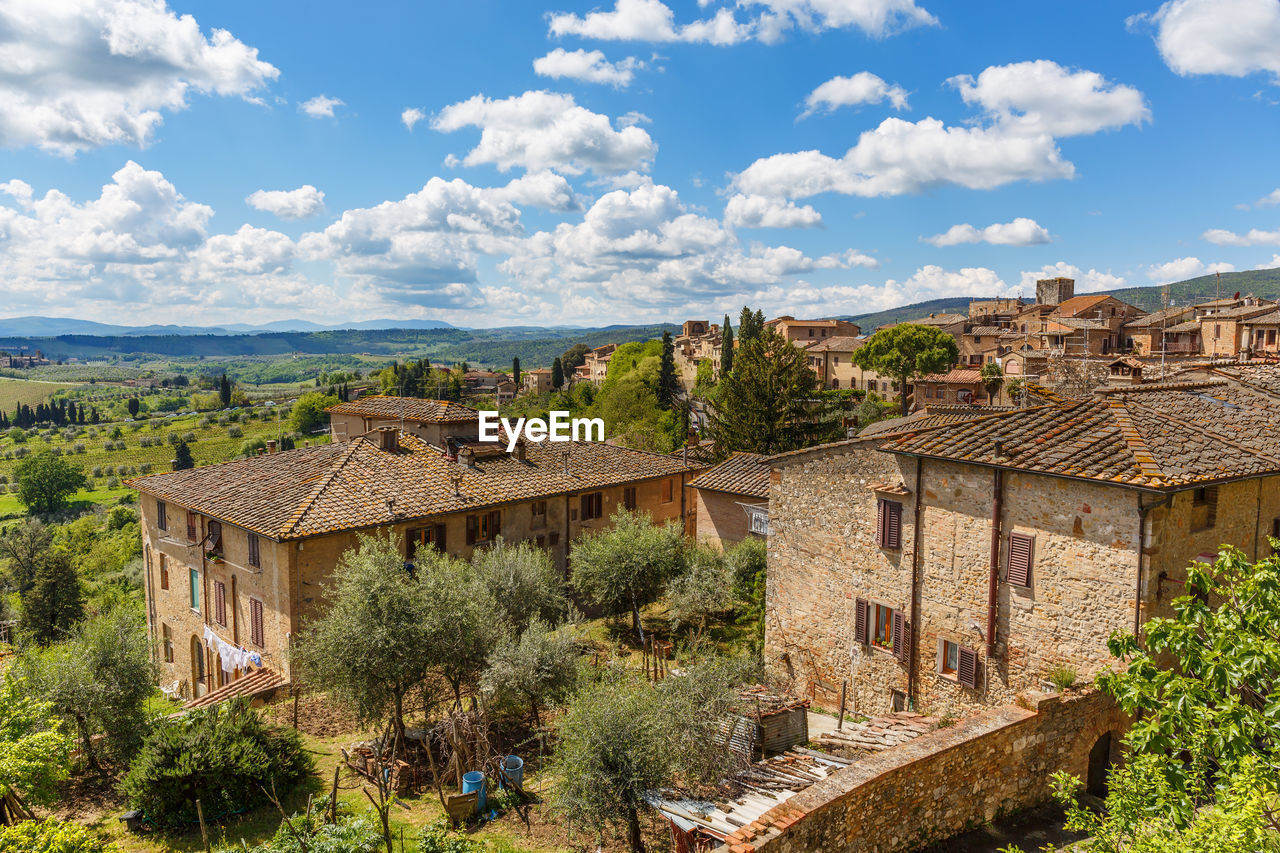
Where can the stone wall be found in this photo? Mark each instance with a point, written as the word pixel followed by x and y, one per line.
pixel 944 782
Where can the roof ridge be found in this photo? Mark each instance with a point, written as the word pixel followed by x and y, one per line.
pixel 306 505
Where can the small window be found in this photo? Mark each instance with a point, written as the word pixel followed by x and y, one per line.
pixel 629 497
pixel 432 536
pixel 220 602
pixel 592 506
pixel 166 637
pixel 255 556
pixel 164 571
pixel 191 526
pixel 888 524
pixel 195 590
pixel 668 492
pixel 1204 508
pixel 162 518
pixel 554 538
pixel 882 626
pixel 948 658
pixel 213 539
pixel 255 623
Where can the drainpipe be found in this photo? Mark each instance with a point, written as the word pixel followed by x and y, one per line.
pixel 993 582
pixel 1142 548
pixel 914 651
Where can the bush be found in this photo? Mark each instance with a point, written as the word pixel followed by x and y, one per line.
pixel 1062 677
pixel 49 836
pixel 349 835
pixel 224 756
pixel 235 432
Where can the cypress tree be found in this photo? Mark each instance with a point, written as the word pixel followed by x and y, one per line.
pixel 182 459
pixel 557 374
pixel 515 370
pixel 726 348
pixel 667 383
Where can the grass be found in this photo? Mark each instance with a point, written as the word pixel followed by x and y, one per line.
pixel 15 391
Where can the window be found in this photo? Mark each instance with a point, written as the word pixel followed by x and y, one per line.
pixel 432 536
pixel 214 538
pixel 191 526
pixel 967 667
pixel 482 528
pixel 166 639
pixel 877 624
pixel 668 492
pixel 164 571
pixel 948 657
pixel 255 555
pixel 629 497
pixel 592 506
pixel 1020 555
pixel 554 538
pixel 220 602
pixel 1204 508
pixel 255 622
pixel 539 514
pixel 882 626
pixel 888 524
pixel 195 590
pixel 162 520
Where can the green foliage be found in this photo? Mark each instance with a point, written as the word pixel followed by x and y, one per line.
pixel 225 756
pixel 34 753
pixel 750 325
pixel 45 481
pixel 55 601
pixel 557 374
pixel 770 404
pixel 625 566
pixel 907 351
pixel 667 385
pixel 98 680
pixel 182 459
pixel 50 835
pixel 726 347
pixel 1062 677
pixel 706 377
pixel 308 413
pixel 538 668
pixel 747 563
pixel 992 379
pixel 307 832
pixel 573 357
pixel 703 590
pixel 522 582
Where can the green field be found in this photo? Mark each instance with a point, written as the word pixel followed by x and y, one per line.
pixel 87 450
pixel 15 391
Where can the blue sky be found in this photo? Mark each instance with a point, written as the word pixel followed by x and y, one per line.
pixel 492 163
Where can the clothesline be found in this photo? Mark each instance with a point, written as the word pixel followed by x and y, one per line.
pixel 232 657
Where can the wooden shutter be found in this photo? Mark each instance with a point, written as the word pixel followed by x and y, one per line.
pixel 472 523
pixel 967 673
pixel 893 531
pixel 1211 498
pixel 1021 550
pixel 901 637
pixel 880 529
pixel 495 523
pixel 255 553
pixel 162 516
pixel 220 602
pixel 597 504
pixel 862 621
pixel 215 536
pixel 255 622
pixel 586 507
pixel 191 526
pixel 439 543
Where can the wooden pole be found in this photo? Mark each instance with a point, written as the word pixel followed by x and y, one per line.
pixel 844 685
pixel 332 816
pixel 204 832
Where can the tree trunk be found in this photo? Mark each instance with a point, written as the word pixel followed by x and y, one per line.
pixel 635 618
pixel 398 698
pixel 902 397
pixel 634 839
pixel 533 704
pixel 86 740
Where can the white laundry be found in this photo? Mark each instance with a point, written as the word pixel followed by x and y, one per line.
pixel 232 657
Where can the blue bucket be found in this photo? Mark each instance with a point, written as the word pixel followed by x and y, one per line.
pixel 513 767
pixel 474 781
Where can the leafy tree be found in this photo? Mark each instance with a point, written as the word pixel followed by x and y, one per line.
pixel 34 754
pixel 750 325
pixel 55 601
pixel 515 370
pixel 182 459
pixel 98 680
pixel 992 379
pixel 907 351
pixel 50 835
pixel 702 591
pixel 522 582
pixel 706 375
pixel 133 405
pixel 747 563
pixel 224 391
pixel 1204 691
pixel 770 403
pixel 574 356
pixel 667 382
pixel 21 547
pixel 463 624
pixel 225 756
pixel 309 412
pixel 45 481
pixel 375 599
pixel 624 567
pixel 538 668
pixel 557 374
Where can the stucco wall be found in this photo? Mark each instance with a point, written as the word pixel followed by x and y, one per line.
pixel 719 519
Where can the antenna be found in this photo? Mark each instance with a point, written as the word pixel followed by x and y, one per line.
pixel 1164 321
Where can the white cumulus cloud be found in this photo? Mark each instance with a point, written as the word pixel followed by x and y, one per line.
pixel 411 116
pixel 1231 37
pixel 590 66
pixel 1020 232
pixel 1086 282
pixel 546 130
pixel 1184 268
pixel 305 201
pixel 1253 237
pixel 755 211
pixel 321 106
pixel 83 75
pixel 861 88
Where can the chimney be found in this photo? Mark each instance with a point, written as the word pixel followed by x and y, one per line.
pixel 271 445
pixel 997 451
pixel 389 439
pixel 466 458
pixel 518 453
pixel 566 463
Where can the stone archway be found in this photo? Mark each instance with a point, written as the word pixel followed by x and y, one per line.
pixel 1099 765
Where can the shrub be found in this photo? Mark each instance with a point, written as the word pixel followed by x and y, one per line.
pixel 1062 677
pixel 49 836
pixel 79 447
pixel 113 482
pixel 349 835
pixel 224 756
pixel 189 436
pixel 235 432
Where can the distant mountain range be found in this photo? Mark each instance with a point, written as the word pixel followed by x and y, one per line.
pixel 52 327
pixel 1262 283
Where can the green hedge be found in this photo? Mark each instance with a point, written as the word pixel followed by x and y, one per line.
pixel 49 836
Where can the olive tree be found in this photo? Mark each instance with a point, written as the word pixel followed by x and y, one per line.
pixel 522 581
pixel 702 591
pixel 34 754
pixel 539 667
pixel 45 481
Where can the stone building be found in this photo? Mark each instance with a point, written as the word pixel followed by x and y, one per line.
pixel 597 363
pixel 957 386
pixel 434 421
pixel 697 342
pixel 803 332
pixel 731 501
pixel 538 380
pixel 239 552
pixel 954 567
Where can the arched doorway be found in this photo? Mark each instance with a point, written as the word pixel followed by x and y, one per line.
pixel 1099 766
pixel 198 686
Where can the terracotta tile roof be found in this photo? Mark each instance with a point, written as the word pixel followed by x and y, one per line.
pixel 1260 377
pixel 1240 311
pixel 1188 326
pixel 408 408
pixel 956 375
pixel 1268 319
pixel 1073 306
pixel 740 474
pixel 1164 436
pixel 940 320
pixel 927 418
pixel 249 685
pixel 1165 316
pixel 987 330
pixel 838 343
pixel 352 485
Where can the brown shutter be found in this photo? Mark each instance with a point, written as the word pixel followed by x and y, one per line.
pixel 1021 549
pixel 893 531
pixel 1211 498
pixel 255 622
pixel 440 529
pixel 472 524
pixel 967 673
pixel 598 504
pixel 880 514
pixel 191 526
pixel 899 634
pixel 220 602
pixel 586 507
pixel 861 621
pixel 495 522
